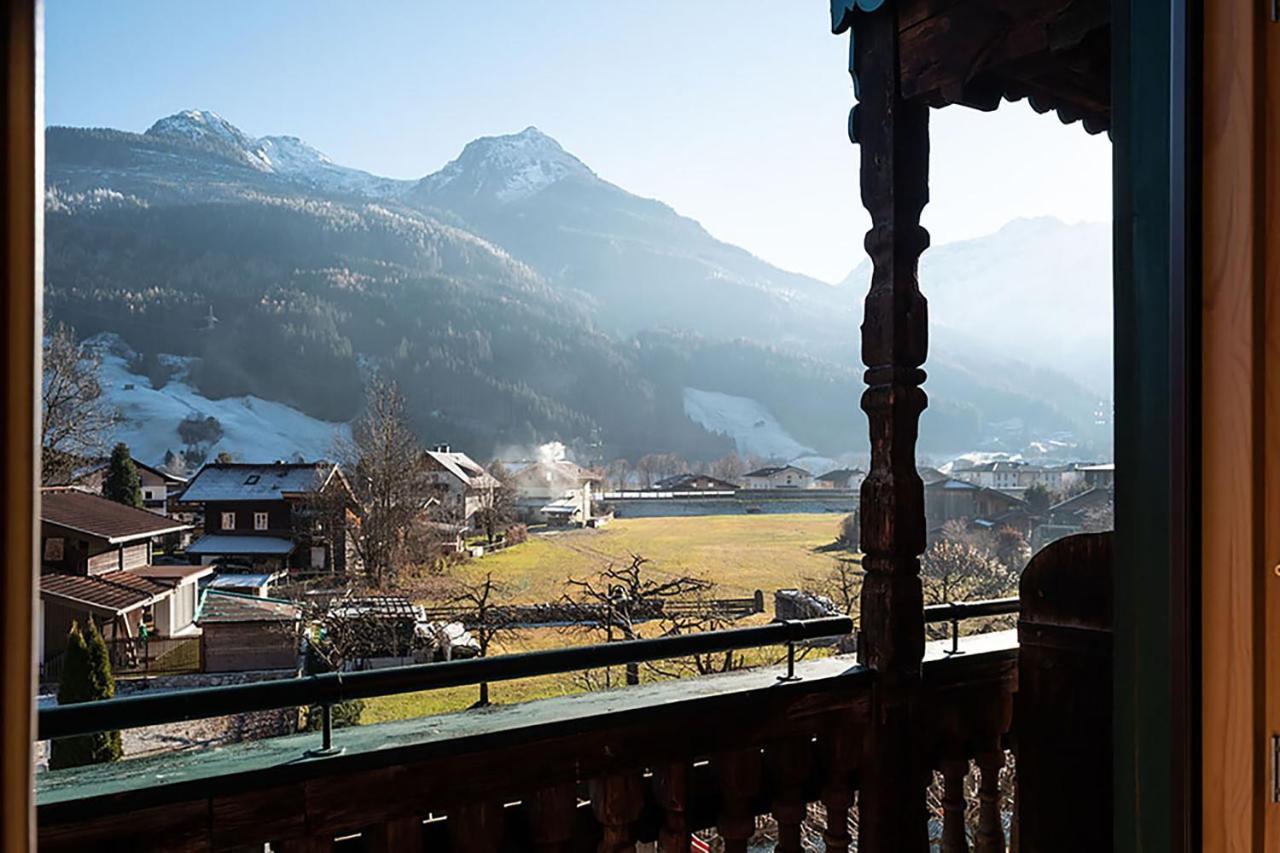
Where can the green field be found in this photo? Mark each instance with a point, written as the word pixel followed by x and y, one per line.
pixel 739 553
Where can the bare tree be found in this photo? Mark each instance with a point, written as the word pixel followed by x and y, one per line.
pixel 477 605
pixel 842 584
pixel 386 468
pixel 627 595
pixel 954 570
pixel 1099 519
pixel 75 417
pixel 617 473
pixel 497 504
pixel 729 468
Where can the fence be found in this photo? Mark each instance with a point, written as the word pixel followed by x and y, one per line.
pixel 154 656
pixel 570 612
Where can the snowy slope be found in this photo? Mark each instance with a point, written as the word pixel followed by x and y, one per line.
pixel 753 428
pixel 507 168
pixel 254 430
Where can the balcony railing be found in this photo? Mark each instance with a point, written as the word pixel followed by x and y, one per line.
pixel 598 770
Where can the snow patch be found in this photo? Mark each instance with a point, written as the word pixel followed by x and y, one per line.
pixel 253 429
pixel 507 168
pixel 751 425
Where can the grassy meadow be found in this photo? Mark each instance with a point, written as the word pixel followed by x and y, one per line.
pixel 739 553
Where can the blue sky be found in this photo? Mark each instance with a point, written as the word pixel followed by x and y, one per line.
pixel 732 111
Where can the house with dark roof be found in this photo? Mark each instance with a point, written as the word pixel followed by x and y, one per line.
pixel 778 477
pixel 244 632
pixel 949 499
pixel 97 561
pixel 694 483
pixel 849 479
pixel 157 485
pixel 265 518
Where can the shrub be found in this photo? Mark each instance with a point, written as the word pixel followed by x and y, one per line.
pixel 850 531
pixel 86 677
pixel 344 714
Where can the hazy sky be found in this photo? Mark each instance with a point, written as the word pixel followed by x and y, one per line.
pixel 732 111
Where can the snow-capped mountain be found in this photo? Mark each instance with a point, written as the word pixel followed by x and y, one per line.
pixel 212 131
pixel 505 168
pixel 286 156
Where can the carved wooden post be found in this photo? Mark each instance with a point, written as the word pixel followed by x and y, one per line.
pixel 789 768
pixel 617 801
pixel 990 827
pixel 894 138
pixel 739 773
pixel 954 838
pixel 552 811
pixel 671 790
pixel 475 827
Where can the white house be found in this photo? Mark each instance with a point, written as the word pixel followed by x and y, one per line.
pixel 779 477
pixel 460 483
pixel 554 491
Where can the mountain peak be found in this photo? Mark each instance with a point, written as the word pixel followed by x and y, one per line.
pixel 208 128
pixel 507 168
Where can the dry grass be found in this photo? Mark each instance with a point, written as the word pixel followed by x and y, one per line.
pixel 739 553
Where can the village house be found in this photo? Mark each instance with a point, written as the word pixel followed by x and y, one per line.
pixel 245 632
pixel 950 499
pixel 694 483
pixel 553 491
pixel 271 517
pixel 157 485
pixel 847 479
pixel 97 561
pixel 461 485
pixel 778 477
pixel 993 475
pixel 1102 475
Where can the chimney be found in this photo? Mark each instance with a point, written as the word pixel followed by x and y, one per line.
pixel 441 448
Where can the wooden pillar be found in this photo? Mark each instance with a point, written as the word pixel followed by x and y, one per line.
pixel 894 139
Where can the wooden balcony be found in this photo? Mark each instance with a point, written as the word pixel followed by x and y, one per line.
pixel 595 771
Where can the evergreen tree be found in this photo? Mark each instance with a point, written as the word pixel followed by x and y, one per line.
pixel 86 677
pixel 122 485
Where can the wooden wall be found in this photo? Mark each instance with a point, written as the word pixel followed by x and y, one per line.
pixel 1238 494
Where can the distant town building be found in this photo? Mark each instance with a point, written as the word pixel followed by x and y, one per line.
pixel 951 499
pixel 694 483
pixel 778 477
pixel 1099 476
pixel 841 478
pixel 553 491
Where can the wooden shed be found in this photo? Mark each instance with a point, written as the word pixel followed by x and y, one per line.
pixel 246 632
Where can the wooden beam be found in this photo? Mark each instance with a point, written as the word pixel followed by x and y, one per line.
pixel 23 130
pixel 1232 575
pixel 894 136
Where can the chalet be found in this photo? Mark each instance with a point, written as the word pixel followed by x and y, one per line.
pixel 848 479
pixel 778 477
pixel 245 632
pixel 950 499
pixel 459 483
pixel 158 486
pixel 555 491
pixel 266 517
pixel 694 483
pixel 97 561
pixel 994 475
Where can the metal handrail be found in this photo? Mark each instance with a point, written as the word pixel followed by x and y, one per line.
pixel 954 611
pixel 330 688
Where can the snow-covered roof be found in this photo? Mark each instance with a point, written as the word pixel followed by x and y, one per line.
pixel 236 481
pixel 217 544
pixel 233 580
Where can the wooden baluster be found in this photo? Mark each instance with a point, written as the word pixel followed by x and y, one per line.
pixel 475 827
pixel 894 176
pixel 395 836
pixel 552 811
pixel 837 800
pixel 954 836
pixel 790 762
pixel 739 775
pixel 990 828
pixel 617 801
pixel 671 789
